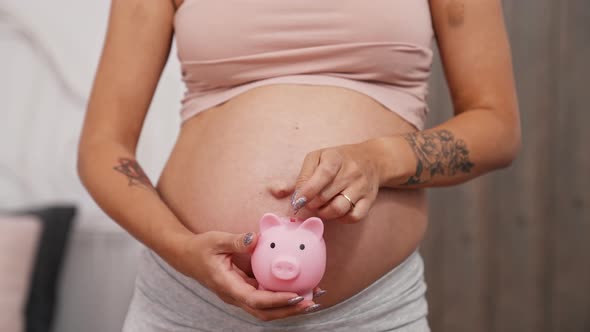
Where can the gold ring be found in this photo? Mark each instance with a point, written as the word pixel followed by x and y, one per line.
pixel 349 200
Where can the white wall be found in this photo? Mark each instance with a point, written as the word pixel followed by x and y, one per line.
pixel 48 55
pixel 49 51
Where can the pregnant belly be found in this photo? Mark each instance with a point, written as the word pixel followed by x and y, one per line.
pixel 235 162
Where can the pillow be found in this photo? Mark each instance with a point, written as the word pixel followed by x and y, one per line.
pixel 32 247
pixel 18 245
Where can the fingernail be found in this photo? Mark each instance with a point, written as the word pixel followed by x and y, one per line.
pixel 319 293
pixel 312 308
pixel 293 198
pixel 295 300
pixel 248 238
pixel 299 203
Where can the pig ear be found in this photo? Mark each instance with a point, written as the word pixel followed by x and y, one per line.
pixel 314 225
pixel 269 220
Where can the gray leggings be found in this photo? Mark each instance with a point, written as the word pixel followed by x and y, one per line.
pixel 166 300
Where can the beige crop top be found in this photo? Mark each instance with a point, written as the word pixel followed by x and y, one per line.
pixel 381 48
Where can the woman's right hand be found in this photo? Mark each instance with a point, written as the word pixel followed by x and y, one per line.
pixel 207 257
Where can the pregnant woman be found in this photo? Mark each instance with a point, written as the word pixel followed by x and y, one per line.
pixel 300 108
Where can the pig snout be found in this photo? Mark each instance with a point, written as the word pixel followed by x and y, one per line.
pixel 285 268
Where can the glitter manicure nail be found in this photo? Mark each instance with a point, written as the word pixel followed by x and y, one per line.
pixel 299 203
pixel 295 300
pixel 319 293
pixel 293 198
pixel 248 238
pixel 312 308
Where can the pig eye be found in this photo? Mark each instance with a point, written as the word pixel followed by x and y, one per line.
pixel 302 246
pixel 272 245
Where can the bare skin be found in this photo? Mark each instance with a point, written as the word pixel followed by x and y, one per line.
pixel 256 170
pixel 253 161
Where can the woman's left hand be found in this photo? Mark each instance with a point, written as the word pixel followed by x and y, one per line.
pixel 330 177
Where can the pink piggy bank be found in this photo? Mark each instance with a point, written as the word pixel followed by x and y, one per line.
pixel 290 255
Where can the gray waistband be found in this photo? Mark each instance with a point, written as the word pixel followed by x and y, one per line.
pixel 396 299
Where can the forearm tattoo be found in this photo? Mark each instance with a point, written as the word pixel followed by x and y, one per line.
pixel 131 169
pixel 437 153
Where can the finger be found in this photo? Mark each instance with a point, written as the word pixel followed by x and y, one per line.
pixel 357 214
pixel 251 281
pixel 317 292
pixel 329 165
pixel 310 163
pixel 339 206
pixel 278 313
pixel 234 243
pixel 336 208
pixel 329 192
pixel 243 292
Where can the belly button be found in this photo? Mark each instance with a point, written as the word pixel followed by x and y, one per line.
pixel 280 189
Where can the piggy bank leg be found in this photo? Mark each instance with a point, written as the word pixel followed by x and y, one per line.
pixel 308 295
